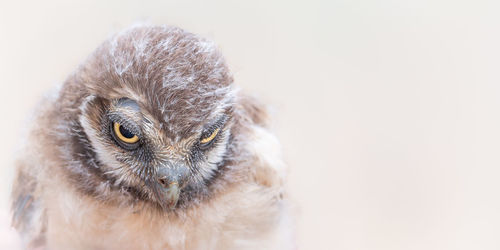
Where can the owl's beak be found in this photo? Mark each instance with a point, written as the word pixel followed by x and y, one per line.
pixel 170 195
pixel 170 181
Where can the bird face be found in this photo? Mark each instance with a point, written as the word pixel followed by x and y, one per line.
pixel 155 111
pixel 137 153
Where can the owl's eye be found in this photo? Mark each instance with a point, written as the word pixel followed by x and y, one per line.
pixel 123 135
pixel 206 141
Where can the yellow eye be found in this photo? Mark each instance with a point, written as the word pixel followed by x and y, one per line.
pixel 210 138
pixel 124 134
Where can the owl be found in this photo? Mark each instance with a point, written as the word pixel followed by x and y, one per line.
pixel 149 145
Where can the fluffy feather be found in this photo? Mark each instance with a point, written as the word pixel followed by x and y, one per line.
pixel 77 189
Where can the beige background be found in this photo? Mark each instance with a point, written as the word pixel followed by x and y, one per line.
pixel 388 111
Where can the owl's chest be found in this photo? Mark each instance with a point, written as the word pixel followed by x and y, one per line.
pixel 77 222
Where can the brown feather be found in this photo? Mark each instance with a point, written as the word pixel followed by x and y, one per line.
pixel 88 192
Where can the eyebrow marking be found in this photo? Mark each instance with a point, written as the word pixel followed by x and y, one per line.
pixel 127 112
pixel 219 122
pixel 129 104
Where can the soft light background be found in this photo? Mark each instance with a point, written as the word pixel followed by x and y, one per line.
pixel 388 111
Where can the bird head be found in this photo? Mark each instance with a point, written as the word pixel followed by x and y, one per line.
pixel 152 115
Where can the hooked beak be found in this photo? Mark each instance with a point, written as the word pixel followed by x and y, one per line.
pixel 170 180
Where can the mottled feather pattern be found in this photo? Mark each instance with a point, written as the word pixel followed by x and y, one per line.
pixel 170 88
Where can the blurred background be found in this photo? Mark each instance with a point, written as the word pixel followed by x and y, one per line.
pixel 388 111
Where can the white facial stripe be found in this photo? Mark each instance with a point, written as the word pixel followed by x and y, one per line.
pixel 104 155
pixel 214 155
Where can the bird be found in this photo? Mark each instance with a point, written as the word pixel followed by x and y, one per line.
pixel 149 144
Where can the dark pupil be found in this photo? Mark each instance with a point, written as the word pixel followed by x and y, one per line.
pixel 126 133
